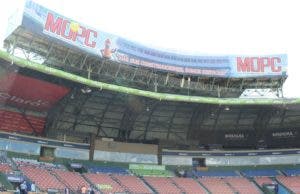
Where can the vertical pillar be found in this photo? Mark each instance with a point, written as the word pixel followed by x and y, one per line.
pixel 92 146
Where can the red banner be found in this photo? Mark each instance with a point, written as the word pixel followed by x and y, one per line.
pixel 31 93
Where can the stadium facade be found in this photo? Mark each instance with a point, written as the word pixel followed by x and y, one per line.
pixel 71 92
pixel 65 80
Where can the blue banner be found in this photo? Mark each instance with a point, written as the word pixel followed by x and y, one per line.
pixel 69 32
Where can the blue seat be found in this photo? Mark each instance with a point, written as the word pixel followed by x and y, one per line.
pixel 260 172
pixel 215 174
pixel 291 172
pixel 108 170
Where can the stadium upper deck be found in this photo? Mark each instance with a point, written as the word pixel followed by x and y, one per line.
pixel 60 42
pixel 101 84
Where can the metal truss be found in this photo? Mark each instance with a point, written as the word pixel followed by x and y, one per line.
pixel 262 93
pixel 48 52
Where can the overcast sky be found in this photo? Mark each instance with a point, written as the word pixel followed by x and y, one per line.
pixel 196 26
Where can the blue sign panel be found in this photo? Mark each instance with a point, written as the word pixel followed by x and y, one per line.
pixel 72 33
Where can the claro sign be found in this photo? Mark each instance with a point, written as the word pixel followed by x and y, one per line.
pixel 5 97
pixel 31 93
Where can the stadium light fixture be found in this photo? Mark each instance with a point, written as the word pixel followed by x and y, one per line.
pixel 182 82
pixel 86 90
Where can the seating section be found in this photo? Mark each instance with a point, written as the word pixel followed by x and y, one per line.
pixel 162 185
pixel 31 162
pixel 215 173
pixel 216 185
pixel 291 172
pixel 42 177
pixel 133 184
pixel 5 168
pixel 117 180
pixel 242 185
pixel 107 169
pixel 73 180
pixel 104 183
pixel 292 183
pixel 263 180
pixel 189 185
pixel 263 172
pixel 14 121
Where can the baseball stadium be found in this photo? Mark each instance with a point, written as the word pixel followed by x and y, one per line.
pixel 87 111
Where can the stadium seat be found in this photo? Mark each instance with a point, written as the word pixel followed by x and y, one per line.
pixel 42 177
pixel 292 183
pixel 107 170
pixel 104 183
pixel 215 174
pixel 263 180
pixel 163 185
pixel 73 180
pixel 260 172
pixel 189 185
pixel 133 184
pixel 242 185
pixel 216 185
pixel 14 121
pixel 5 168
pixel 291 172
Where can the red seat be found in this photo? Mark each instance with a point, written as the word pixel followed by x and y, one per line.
pixel 189 185
pixel 216 185
pixel 14 121
pixel 293 183
pixel 42 177
pixel 163 185
pixel 133 184
pixel 106 184
pixel 242 185
pixel 72 179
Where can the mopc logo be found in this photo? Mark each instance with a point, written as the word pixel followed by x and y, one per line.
pixel 70 30
pixel 5 97
pixel 258 64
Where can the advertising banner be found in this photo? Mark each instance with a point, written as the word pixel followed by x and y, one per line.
pixel 66 31
pixel 146 167
pixel 235 138
pixel 287 137
pixel 27 92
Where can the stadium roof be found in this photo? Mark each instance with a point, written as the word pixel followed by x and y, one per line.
pixel 62 56
pixel 126 114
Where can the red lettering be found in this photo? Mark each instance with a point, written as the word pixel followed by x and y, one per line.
pixel 82 34
pixel 258 64
pixel 63 30
pixel 87 38
pixel 257 67
pixel 263 62
pixel 61 27
pixel 243 66
pixel 276 68
pixel 53 26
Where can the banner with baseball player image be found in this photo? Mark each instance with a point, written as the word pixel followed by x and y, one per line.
pixel 66 31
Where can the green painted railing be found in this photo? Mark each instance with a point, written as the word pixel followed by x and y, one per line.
pixel 155 95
